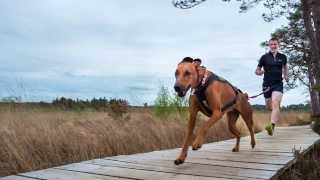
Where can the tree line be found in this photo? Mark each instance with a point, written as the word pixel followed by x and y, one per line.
pixel 101 104
pixel 291 107
pixel 117 107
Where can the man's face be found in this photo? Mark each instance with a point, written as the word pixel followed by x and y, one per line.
pixel 274 46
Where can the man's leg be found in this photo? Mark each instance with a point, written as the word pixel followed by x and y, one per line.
pixel 268 99
pixel 276 100
pixel 268 104
pixel 267 96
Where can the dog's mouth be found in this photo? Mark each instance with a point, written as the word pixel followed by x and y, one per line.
pixel 182 91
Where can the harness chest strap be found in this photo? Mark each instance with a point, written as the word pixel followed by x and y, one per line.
pixel 208 78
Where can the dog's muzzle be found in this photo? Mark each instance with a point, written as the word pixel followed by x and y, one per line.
pixel 180 90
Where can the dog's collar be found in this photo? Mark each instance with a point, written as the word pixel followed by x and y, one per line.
pixel 204 79
pixel 201 82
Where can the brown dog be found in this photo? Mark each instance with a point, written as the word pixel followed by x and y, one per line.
pixel 221 97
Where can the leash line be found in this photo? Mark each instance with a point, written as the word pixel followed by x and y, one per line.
pixel 268 89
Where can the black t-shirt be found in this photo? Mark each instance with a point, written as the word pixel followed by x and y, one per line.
pixel 272 66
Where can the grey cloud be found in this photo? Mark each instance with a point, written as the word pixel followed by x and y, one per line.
pixel 78 47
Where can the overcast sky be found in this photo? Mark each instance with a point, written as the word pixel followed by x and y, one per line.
pixel 125 48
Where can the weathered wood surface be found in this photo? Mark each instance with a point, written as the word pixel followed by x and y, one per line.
pixel 213 161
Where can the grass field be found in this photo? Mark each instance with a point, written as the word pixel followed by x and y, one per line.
pixel 36 139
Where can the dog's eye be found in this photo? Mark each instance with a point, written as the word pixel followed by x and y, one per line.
pixel 187 73
pixel 176 73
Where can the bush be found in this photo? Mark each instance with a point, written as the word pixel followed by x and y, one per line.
pixel 179 104
pixel 162 102
pixel 118 107
pixel 306 167
pixel 166 103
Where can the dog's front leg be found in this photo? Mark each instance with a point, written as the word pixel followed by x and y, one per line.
pixel 203 130
pixel 189 137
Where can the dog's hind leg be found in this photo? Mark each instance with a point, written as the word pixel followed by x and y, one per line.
pixel 216 115
pixel 246 113
pixel 232 118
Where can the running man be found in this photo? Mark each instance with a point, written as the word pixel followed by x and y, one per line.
pixel 273 65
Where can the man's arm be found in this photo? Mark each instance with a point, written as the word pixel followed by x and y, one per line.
pixel 285 72
pixel 259 71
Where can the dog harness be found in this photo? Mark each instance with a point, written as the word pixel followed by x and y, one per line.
pixel 199 92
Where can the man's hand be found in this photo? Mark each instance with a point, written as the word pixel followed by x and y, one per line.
pixel 285 72
pixel 259 71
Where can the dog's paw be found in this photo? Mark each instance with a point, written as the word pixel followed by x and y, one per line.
pixel 235 149
pixel 196 147
pixel 197 144
pixel 253 145
pixel 178 162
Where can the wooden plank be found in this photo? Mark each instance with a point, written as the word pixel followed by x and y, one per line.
pixel 209 162
pixel 262 153
pixel 269 147
pixel 18 177
pixel 268 143
pixel 232 157
pixel 192 169
pixel 276 161
pixel 255 150
pixel 59 174
pixel 286 136
pixel 218 150
pixel 135 173
pixel 265 144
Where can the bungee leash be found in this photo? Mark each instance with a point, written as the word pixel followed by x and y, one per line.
pixel 266 90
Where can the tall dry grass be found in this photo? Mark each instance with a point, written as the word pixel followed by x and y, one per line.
pixel 36 139
pixel 261 119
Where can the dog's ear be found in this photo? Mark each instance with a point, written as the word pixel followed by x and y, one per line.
pixel 197 60
pixel 187 60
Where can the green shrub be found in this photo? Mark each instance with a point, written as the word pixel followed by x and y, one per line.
pixel 168 103
pixel 179 104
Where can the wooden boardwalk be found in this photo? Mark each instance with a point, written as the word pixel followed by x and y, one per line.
pixel 213 161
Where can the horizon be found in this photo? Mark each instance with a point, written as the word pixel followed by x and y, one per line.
pixel 80 49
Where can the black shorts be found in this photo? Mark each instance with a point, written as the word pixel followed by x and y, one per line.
pixel 278 86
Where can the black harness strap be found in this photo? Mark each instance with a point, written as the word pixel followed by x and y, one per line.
pixel 200 93
pixel 229 104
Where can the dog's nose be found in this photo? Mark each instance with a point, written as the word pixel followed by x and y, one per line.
pixel 177 88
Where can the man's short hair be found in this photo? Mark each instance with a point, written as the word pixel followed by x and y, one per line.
pixel 274 39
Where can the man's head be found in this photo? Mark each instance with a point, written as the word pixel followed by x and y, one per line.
pixel 186 76
pixel 274 44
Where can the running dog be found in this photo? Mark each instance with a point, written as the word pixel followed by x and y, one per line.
pixel 213 96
